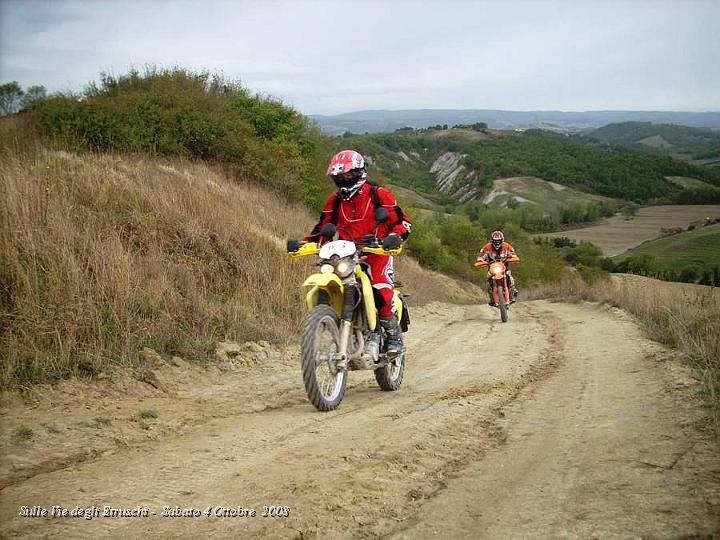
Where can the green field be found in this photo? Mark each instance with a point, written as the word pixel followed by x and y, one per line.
pixel 700 247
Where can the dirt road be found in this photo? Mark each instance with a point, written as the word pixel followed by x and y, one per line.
pixel 565 422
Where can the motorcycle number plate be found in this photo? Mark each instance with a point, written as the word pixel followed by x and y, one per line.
pixel 341 248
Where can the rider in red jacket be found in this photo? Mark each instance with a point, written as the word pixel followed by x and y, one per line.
pixel 352 211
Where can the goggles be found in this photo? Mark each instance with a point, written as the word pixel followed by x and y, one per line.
pixel 350 175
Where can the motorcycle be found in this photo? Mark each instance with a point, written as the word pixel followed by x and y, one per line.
pixel 499 283
pixel 341 332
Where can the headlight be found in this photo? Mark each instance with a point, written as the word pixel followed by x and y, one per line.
pixel 344 268
pixel 327 269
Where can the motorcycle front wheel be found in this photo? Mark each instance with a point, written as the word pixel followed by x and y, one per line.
pixel 502 304
pixel 320 341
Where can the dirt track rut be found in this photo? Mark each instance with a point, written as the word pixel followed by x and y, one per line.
pixel 563 422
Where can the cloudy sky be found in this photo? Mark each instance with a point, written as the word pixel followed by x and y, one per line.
pixel 329 56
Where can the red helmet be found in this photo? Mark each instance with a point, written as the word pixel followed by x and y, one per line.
pixel 497 238
pixel 348 170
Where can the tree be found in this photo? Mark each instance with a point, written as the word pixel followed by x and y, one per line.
pixel 630 210
pixel 10 97
pixel 706 278
pixel 33 96
pixel 689 274
pixel 716 276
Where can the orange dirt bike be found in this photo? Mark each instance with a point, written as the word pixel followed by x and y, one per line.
pixel 498 282
pixel 341 332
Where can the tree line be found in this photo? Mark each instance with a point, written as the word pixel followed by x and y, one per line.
pixel 14 99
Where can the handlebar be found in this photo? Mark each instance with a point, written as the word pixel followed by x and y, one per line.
pixel 313 248
pixel 507 260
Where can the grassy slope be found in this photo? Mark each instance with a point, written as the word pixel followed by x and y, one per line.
pixel 697 247
pixel 692 183
pixel 102 255
pixel 537 192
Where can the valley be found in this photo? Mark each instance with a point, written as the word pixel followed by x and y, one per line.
pixel 618 234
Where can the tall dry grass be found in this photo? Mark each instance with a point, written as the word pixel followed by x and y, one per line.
pixel 102 255
pixel 683 316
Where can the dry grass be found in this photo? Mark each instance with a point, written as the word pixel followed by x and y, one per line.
pixel 683 316
pixel 103 255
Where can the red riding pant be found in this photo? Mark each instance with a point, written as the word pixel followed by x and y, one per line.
pixel 382 275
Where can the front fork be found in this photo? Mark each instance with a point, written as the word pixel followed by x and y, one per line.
pixel 346 326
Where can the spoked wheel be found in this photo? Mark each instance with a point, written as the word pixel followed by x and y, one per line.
pixel 324 382
pixel 502 304
pixel 390 376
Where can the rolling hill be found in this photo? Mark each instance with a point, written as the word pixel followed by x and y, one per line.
pixel 459 165
pixel 617 235
pixel 529 190
pixel 698 143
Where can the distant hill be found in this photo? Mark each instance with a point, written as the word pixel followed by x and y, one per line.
pixel 386 121
pixel 458 167
pixel 698 143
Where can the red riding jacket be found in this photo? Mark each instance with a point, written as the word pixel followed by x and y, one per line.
pixel 355 217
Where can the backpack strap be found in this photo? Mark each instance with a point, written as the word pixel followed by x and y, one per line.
pixel 374 196
pixel 376 201
pixel 335 208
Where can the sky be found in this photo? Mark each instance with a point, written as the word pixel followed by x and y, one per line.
pixel 329 57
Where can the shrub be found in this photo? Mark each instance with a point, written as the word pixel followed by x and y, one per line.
pixel 195 115
pixel 689 274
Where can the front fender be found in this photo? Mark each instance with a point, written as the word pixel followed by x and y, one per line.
pixel 331 284
pixel 368 298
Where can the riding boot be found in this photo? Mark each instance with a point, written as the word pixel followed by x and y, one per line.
pixel 513 290
pixel 393 335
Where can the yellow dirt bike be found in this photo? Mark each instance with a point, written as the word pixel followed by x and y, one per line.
pixel 341 331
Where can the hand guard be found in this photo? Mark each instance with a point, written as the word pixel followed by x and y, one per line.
pixel 392 241
pixel 369 240
pixel 294 245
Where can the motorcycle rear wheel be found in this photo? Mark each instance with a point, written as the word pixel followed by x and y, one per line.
pixel 390 376
pixel 324 383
